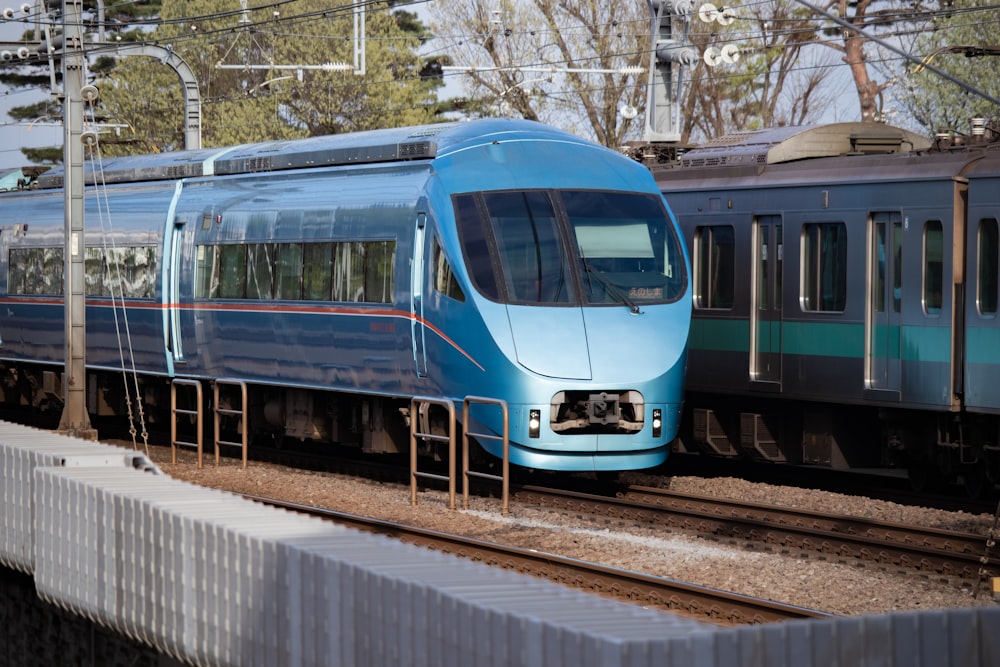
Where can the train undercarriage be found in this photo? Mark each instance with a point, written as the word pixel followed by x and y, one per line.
pixel 935 449
pixel 261 414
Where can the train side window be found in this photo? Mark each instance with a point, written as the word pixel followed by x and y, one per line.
pixel 52 271
pixel 93 271
pixel 288 271
pixel 232 271
pixel 444 278
pixel 989 250
pixel 207 272
pixel 824 267
pixel 35 271
pixel 349 271
pixel 16 271
pixel 260 271
pixel 136 270
pixel 715 261
pixel 380 262
pixel 933 267
pixel 316 261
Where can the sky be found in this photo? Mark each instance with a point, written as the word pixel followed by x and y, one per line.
pixel 15 136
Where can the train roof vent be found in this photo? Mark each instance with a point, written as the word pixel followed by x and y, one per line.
pixel 165 166
pixel 787 144
pixel 319 153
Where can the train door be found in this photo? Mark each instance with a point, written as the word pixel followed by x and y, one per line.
pixel 882 351
pixel 171 287
pixel 765 312
pixel 417 294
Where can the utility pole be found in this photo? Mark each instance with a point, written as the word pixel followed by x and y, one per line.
pixel 75 420
pixel 671 52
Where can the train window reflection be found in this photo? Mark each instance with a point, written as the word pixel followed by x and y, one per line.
pixel 316 259
pixel 355 271
pixel 260 271
pixel 531 251
pixel 475 245
pixel 128 271
pixel 35 271
pixel 989 248
pixel 625 242
pixel 824 267
pixel 288 271
pixel 444 278
pixel 715 260
pixel 349 276
pixel 232 271
pixel 608 248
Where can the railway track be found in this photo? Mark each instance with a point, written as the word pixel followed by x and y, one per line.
pixel 912 548
pixel 713 605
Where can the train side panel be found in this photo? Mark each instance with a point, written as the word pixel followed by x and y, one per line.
pixel 271 327
pixel 882 351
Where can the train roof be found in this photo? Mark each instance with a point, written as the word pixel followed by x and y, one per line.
pixel 788 144
pixel 423 142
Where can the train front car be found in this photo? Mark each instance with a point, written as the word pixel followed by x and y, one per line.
pixel 567 297
pixel 336 278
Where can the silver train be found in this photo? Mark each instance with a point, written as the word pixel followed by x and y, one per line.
pixel 845 307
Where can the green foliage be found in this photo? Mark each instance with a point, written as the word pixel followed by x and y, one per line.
pixel 48 155
pixel 934 102
pixel 245 105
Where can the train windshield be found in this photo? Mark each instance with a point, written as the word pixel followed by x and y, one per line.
pixel 570 247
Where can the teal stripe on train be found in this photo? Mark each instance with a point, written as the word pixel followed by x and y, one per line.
pixel 830 339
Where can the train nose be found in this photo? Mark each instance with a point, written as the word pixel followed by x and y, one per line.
pixel 551 341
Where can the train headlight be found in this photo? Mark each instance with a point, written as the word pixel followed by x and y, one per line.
pixel 657 422
pixel 534 423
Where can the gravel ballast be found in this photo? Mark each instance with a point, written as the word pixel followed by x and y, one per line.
pixel 807 580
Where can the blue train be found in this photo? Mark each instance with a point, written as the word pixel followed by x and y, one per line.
pixel 845 291
pixel 337 277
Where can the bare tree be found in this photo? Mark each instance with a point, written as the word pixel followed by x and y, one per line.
pixel 572 63
pixel 505 49
pixel 878 18
pixel 777 79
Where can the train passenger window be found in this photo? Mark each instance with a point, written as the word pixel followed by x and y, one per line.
pixel 260 271
pixel 93 271
pixel 35 271
pixel 824 267
pixel 232 271
pixel 444 278
pixel 206 274
pixel 288 271
pixel 52 266
pixel 989 249
pixel 715 260
pixel 133 269
pixel 316 262
pixel 349 271
pixel 933 267
pixel 380 260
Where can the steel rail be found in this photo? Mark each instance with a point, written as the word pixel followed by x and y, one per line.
pixel 945 552
pixel 704 603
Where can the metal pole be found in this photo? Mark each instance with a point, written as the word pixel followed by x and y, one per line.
pixel 75 420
